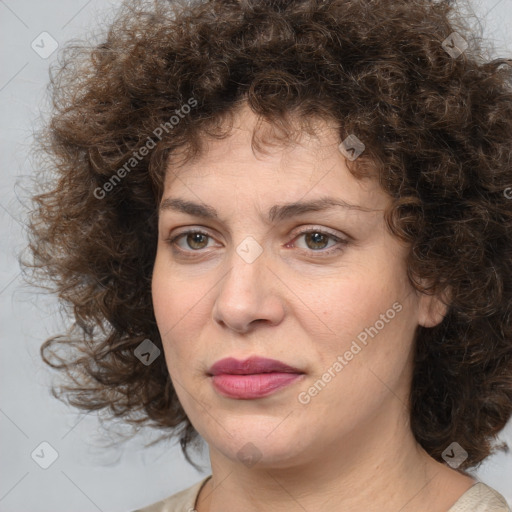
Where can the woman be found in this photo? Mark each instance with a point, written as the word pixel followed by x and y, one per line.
pixel 284 226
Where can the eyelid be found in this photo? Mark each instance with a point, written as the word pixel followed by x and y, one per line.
pixel 325 231
pixel 307 229
pixel 201 231
pixel 342 240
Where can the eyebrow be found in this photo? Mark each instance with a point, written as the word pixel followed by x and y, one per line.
pixel 277 212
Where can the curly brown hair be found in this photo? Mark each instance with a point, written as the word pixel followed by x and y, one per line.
pixel 436 120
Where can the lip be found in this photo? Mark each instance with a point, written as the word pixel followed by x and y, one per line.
pixel 256 377
pixel 250 366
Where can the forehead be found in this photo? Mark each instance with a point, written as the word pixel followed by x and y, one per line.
pixel 252 162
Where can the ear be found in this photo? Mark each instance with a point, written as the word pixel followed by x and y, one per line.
pixel 433 308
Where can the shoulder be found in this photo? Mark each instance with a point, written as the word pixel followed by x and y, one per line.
pixel 480 498
pixel 182 501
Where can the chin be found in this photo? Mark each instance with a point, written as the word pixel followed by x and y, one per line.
pixel 262 444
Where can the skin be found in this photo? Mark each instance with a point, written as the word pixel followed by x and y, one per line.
pixel 350 447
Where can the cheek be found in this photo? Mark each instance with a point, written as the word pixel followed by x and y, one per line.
pixel 171 295
pixel 179 305
pixel 367 319
pixel 344 307
pixel 164 301
pixel 168 303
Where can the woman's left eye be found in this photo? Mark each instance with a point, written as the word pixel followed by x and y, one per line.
pixel 316 241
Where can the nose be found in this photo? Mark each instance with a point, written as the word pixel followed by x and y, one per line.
pixel 248 295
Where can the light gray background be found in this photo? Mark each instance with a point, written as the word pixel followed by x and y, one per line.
pixel 86 476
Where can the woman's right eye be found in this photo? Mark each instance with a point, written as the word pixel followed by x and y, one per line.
pixel 194 240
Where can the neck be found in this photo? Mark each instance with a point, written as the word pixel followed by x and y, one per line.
pixel 379 467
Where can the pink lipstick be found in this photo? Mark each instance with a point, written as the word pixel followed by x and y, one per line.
pixel 256 377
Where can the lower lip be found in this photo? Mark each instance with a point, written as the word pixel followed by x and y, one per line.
pixel 257 385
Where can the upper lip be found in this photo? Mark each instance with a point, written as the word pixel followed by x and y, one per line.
pixel 250 366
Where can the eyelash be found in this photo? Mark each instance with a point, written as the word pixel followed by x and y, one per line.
pixel 341 242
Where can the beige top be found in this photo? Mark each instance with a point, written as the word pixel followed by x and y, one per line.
pixel 478 498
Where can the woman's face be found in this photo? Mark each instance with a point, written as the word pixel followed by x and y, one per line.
pixel 323 291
